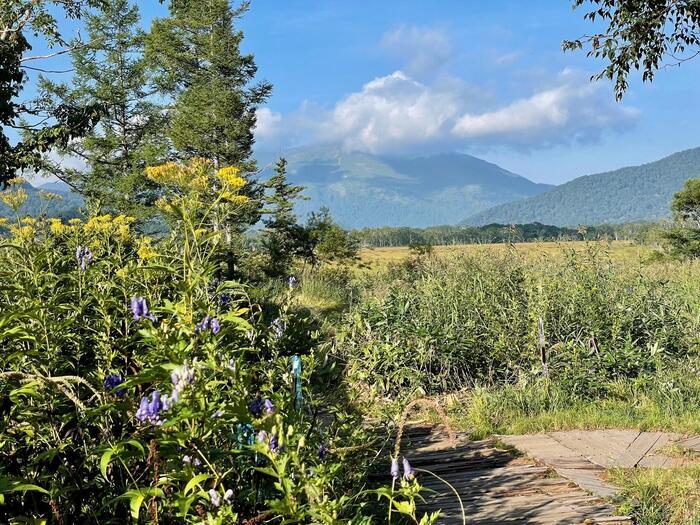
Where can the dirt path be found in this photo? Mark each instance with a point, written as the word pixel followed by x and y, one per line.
pixel 561 481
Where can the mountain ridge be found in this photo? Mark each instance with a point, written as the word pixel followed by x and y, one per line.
pixel 632 193
pixel 365 190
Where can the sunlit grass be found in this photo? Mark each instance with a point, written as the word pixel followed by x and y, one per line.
pixel 655 496
pixel 618 250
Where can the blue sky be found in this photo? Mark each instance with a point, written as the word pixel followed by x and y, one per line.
pixel 485 78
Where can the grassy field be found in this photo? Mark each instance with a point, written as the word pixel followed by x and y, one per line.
pixel 619 250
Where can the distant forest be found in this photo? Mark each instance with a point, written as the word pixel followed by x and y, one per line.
pixel 500 233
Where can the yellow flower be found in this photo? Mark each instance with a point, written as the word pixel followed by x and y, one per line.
pixel 14 198
pixel 230 177
pixel 193 175
pixel 49 196
pixel 167 173
pixel 25 233
pixel 28 221
pixel 3 221
pixel 146 250
pixel 75 222
pixel 16 181
pixel 233 198
pixel 57 227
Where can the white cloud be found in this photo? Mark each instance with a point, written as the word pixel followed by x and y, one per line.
pixel 398 113
pixel 572 110
pixel 391 113
pixel 422 50
pixel 268 123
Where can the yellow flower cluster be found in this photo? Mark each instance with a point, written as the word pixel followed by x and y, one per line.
pixel 14 198
pixel 3 221
pixel 234 198
pixel 192 176
pixel 230 177
pixel 118 227
pixel 146 250
pixel 25 230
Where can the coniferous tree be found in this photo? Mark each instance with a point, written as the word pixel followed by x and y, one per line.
pixel 111 71
pixel 196 52
pixel 283 238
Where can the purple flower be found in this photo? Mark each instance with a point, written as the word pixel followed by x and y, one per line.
pixel 149 410
pixel 228 496
pixel 214 498
pixel 292 281
pixel 322 451
pixel 202 325
pixel 84 256
pixel 274 444
pixel 261 437
pixel 139 307
pixel 186 460
pixel 269 407
pixel 257 406
pixel 208 323
pixel 112 381
pixel 395 468
pixel 408 472
pixel 278 327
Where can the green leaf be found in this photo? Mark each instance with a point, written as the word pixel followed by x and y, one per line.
pixel 405 507
pixel 194 482
pixel 104 461
pixel 27 487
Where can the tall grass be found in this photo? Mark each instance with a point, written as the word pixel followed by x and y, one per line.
pixel 440 324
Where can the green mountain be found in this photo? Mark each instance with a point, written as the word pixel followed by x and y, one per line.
pixel 66 205
pixel 364 190
pixel 635 193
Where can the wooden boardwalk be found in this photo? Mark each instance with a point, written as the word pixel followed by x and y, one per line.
pixel 583 456
pixel 495 486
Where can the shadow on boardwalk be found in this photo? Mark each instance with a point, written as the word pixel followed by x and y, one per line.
pixel 495 485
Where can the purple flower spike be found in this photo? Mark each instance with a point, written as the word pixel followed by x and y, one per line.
pixel 274 444
pixel 149 410
pixel 269 407
pixel 395 468
pixel 84 256
pixel 112 381
pixel 408 472
pixel 214 498
pixel 261 437
pixel 139 307
pixel 256 407
pixel 322 451
pixel 202 325
pixel 215 326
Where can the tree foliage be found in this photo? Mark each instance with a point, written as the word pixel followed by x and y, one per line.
pixel 640 34
pixel 197 57
pixel 684 237
pixel 39 131
pixel 111 71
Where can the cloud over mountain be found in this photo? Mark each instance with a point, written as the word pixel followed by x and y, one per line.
pixel 409 111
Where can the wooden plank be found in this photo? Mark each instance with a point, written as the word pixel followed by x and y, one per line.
pixel 691 443
pixel 638 449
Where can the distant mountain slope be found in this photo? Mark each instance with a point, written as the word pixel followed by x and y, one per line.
pixel 634 193
pixel 66 206
pixel 364 190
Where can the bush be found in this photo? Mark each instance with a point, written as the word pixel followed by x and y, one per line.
pixel 137 385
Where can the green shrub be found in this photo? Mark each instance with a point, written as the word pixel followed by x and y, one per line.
pixel 137 385
pixel 440 324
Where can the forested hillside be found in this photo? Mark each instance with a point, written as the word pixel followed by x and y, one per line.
pixel 635 193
